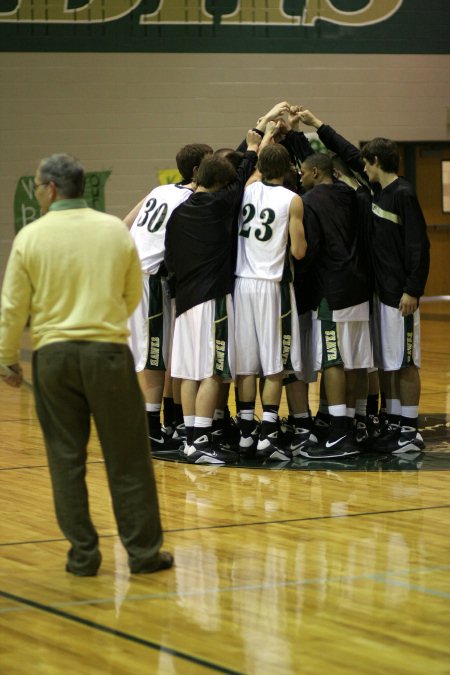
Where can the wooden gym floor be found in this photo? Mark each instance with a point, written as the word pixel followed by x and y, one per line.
pixel 324 569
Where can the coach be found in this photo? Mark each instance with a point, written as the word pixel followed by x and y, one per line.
pixel 75 271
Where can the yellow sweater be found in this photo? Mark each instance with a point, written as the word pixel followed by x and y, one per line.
pixel 76 272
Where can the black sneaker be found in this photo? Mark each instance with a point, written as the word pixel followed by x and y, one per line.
pixel 366 434
pixel 203 452
pixel 319 431
pixel 164 443
pixel 232 433
pixel 406 439
pixel 342 446
pixel 388 433
pixel 285 433
pixel 180 432
pixel 269 449
pixel 219 442
pixel 248 444
pixel 360 433
pixel 373 425
pixel 301 436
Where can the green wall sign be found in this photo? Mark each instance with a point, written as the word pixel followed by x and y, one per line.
pixel 267 26
pixel 26 207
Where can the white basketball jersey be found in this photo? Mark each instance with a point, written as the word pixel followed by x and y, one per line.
pixel 149 228
pixel 263 231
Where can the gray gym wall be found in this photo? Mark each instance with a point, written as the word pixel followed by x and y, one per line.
pixel 129 113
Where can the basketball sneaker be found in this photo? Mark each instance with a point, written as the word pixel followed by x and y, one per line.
pixel 319 431
pixel 202 451
pixel 163 442
pixel 373 424
pixel 248 444
pixel 269 449
pixel 231 433
pixel 339 443
pixel 301 436
pixel 180 432
pixel 388 432
pixel 285 433
pixel 406 439
pixel 360 434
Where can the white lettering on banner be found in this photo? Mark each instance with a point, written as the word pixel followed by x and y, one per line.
pixel 28 187
pixel 93 11
pixel 195 13
pixel 28 214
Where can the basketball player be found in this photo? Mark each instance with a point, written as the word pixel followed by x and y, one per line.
pixel 150 325
pixel 341 299
pixel 400 256
pixel 264 298
pixel 401 260
pixel 199 243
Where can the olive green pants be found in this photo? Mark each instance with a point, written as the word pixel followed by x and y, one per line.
pixel 72 381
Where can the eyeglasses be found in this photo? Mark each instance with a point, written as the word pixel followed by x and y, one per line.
pixel 36 185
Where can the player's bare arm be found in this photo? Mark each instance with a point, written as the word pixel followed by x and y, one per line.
pixel 296 229
pixel 274 113
pixel 132 215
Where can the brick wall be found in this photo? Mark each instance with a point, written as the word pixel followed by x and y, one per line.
pixel 130 113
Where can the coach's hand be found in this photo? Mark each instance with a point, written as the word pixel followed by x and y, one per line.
pixel 12 375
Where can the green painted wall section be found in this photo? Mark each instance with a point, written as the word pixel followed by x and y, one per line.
pixel 227 26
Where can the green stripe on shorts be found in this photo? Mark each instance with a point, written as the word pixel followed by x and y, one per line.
pixel 286 325
pixel 221 363
pixel 331 355
pixel 408 323
pixel 155 359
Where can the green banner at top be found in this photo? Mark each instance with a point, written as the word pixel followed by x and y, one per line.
pixel 267 26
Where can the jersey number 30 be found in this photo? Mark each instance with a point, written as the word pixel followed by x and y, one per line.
pixel 153 217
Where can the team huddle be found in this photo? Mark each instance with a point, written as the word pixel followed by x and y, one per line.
pixel 275 262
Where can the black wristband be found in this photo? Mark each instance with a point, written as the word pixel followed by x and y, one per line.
pixel 259 132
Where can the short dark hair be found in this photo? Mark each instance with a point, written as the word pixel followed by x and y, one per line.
pixel 233 156
pixel 340 165
pixel 386 151
pixel 66 172
pixel 291 179
pixel 274 161
pixel 190 156
pixel 321 161
pixel 215 172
